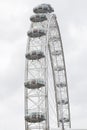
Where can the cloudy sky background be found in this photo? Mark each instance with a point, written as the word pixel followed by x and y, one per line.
pixel 14 23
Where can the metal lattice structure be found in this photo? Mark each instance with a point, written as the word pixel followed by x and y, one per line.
pixel 44 39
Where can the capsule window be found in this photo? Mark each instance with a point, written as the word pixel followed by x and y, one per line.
pixel 34 53
pixel 33 82
pixel 35 31
pixel 45 8
pixel 40 7
pixel 43 16
pixel 39 116
pixel 37 16
pixel 33 116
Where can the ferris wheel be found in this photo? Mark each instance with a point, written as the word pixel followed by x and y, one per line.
pixel 44 44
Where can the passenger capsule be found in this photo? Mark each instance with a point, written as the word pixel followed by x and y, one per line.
pixel 35 117
pixel 64 120
pixel 38 18
pixel 57 53
pixel 59 68
pixel 61 85
pixel 36 33
pixel 34 84
pixel 43 8
pixel 35 55
pixel 64 102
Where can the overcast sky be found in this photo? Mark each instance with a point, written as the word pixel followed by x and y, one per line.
pixel 14 23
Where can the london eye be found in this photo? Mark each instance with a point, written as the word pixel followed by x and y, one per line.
pixel 44 45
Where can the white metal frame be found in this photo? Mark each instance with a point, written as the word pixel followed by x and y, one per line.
pixel 36 100
pixel 59 74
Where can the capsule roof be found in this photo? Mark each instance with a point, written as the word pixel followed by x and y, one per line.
pixel 43 8
pixel 34 33
pixel 35 55
pixel 38 18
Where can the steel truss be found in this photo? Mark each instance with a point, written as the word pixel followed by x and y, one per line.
pixel 44 39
